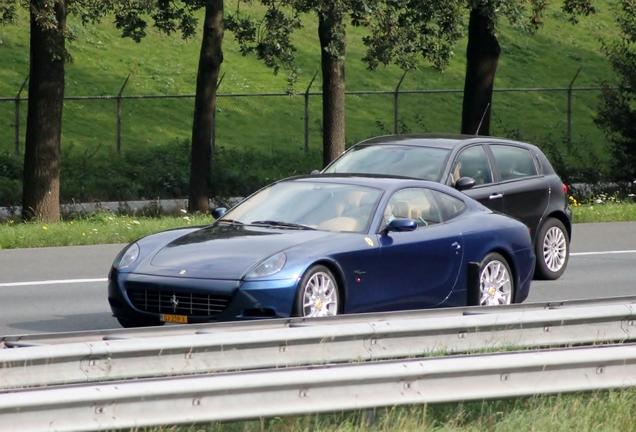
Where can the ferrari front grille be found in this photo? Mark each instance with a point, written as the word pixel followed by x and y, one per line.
pixel 169 302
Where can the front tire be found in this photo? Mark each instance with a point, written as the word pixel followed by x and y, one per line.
pixel 496 286
pixel 318 294
pixel 552 250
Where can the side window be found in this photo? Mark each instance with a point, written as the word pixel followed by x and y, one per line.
pixel 513 162
pixel 413 203
pixel 472 162
pixel 450 207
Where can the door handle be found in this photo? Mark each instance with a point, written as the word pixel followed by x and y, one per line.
pixel 495 196
pixel 456 246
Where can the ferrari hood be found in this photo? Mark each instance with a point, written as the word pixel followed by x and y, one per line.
pixel 227 251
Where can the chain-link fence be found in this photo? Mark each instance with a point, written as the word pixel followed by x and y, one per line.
pixel 276 120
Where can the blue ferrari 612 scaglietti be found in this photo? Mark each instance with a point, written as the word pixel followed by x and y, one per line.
pixel 325 245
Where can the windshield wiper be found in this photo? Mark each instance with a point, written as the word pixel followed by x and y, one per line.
pixel 230 221
pixel 281 224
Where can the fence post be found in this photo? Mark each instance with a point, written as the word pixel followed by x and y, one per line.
pixel 213 143
pixel 307 113
pixel 17 116
pixel 119 114
pixel 395 104
pixel 568 136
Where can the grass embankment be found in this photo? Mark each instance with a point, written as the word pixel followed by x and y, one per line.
pixel 167 65
pixel 600 411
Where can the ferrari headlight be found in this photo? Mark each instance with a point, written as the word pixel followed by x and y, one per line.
pixel 270 266
pixel 127 257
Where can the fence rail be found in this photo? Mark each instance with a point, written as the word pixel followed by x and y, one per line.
pixel 293 123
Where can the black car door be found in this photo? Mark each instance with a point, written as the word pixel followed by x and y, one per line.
pixel 525 191
pixel 473 162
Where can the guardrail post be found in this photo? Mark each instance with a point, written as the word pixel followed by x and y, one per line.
pixel 307 113
pixel 213 143
pixel 17 116
pixel 119 98
pixel 569 130
pixel 395 104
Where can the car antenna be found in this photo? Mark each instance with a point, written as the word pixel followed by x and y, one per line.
pixel 482 119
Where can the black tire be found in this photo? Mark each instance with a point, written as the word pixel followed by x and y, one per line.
pixel 139 322
pixel 496 283
pixel 318 283
pixel 552 250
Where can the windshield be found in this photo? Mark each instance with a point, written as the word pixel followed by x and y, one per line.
pixel 419 162
pixel 308 205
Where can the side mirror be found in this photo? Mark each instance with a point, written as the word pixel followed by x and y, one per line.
pixel 464 183
pixel 401 225
pixel 314 172
pixel 218 212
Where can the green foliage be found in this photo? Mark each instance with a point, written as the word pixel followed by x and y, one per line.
pixel 268 37
pixel 238 172
pixel 404 31
pixel 617 113
pixel 10 179
pixel 158 172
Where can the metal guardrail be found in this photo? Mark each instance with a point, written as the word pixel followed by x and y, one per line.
pixel 287 343
pixel 236 326
pixel 248 395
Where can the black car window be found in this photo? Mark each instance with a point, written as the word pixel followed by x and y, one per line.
pixel 413 203
pixel 513 162
pixel 472 162
pixel 391 159
pixel 450 206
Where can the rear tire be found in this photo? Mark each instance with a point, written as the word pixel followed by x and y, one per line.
pixel 552 250
pixel 496 285
pixel 139 322
pixel 318 294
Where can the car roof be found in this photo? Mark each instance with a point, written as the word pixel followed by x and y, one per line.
pixel 380 181
pixel 446 141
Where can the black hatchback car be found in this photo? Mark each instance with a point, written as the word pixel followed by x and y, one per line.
pixel 508 176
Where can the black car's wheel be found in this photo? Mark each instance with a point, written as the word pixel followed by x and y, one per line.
pixel 552 250
pixel 139 322
pixel 318 294
pixel 496 286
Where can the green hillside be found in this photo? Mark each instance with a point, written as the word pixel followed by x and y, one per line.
pixel 166 66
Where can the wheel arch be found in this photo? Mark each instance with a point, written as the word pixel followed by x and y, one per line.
pixel 474 270
pixel 561 217
pixel 337 272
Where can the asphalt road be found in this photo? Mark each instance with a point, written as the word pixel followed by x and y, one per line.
pixel 64 289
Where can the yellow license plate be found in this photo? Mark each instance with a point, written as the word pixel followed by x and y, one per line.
pixel 174 319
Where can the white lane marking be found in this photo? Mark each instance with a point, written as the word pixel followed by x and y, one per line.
pixel 67 281
pixel 53 282
pixel 602 253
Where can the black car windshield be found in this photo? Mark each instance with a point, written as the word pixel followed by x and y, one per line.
pixel 308 205
pixel 392 159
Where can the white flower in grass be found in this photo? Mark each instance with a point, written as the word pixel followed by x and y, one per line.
pixel 136 222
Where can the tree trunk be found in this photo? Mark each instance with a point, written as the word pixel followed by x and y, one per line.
pixel 210 59
pixel 41 182
pixel 482 58
pixel 331 31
